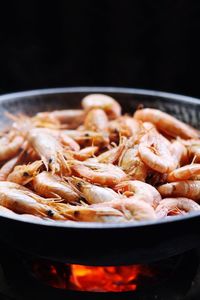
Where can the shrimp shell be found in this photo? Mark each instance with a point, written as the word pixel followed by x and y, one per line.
pixel 188 189
pixel 71 117
pixel 93 193
pixel 140 191
pixel 107 103
pixel 25 217
pixel 18 201
pixel 48 185
pixel 166 123
pixel 175 205
pixel 132 209
pixel 10 146
pixel 23 174
pixel 7 168
pixel 154 151
pixel 99 173
pixel 96 120
pixel 132 165
pixel 49 149
pixel 85 153
pixel 184 173
pixel 87 138
pixel 90 214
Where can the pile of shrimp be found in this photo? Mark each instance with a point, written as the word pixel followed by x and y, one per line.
pixel 97 165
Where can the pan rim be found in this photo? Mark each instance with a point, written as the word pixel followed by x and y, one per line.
pixel 101 89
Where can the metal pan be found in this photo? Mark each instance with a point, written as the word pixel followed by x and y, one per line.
pixel 92 243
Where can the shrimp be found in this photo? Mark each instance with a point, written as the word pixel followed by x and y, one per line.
pixel 71 117
pixel 96 120
pixel 10 145
pixel 111 156
pixel 174 206
pixel 132 165
pixel 25 217
pixel 139 191
pixel 93 193
pixel 184 173
pixel 23 174
pixel 87 138
pixel 61 136
pixel 179 152
pixel 107 103
pixel 84 154
pixel 154 151
pixel 7 168
pixel 49 149
pixel 102 174
pixel 48 185
pixel 132 209
pixel 193 147
pixel 12 185
pixel 23 124
pixel 69 142
pixel 18 201
pixel 125 126
pixel 89 214
pixel 188 188
pixel 166 123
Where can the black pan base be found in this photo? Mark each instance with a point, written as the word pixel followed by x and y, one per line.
pixel 177 277
pixel 101 244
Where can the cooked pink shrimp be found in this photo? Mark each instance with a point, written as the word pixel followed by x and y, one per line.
pixel 24 217
pixel 10 144
pixel 12 185
pixel 93 193
pixel 166 123
pixel 7 168
pixel 71 117
pixel 89 214
pixel 18 201
pixel 111 156
pixel 125 126
pixel 132 165
pixel 85 153
pixel 48 185
pixel 184 173
pixel 87 138
pixel 179 153
pixel 132 209
pixel 96 120
pixel 103 174
pixel 68 142
pixel 23 174
pixel 140 191
pixel 193 147
pixel 49 149
pixel 175 206
pixel 154 151
pixel 188 188
pixel 107 103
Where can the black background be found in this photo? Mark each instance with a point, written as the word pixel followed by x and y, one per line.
pixel 143 44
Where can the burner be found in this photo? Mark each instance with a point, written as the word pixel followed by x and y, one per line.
pixel 26 277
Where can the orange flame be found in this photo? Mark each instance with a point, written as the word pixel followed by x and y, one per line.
pixel 91 278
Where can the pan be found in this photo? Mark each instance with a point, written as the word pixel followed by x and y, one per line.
pixel 94 243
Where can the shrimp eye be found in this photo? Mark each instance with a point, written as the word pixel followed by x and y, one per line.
pixel 79 184
pixel 87 135
pixel 25 174
pixel 76 213
pixel 50 213
pixel 50 160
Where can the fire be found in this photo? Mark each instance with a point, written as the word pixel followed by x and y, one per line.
pixel 91 278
